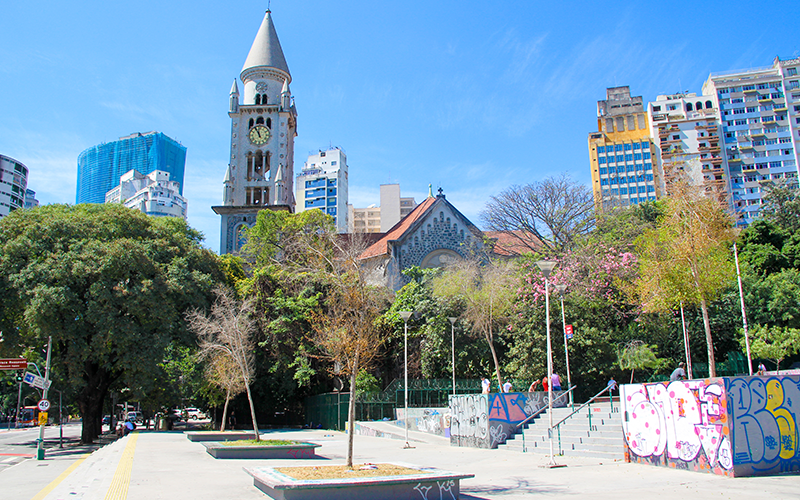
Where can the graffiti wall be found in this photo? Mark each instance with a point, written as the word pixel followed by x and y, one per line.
pixel 733 426
pixel 431 420
pixel 488 420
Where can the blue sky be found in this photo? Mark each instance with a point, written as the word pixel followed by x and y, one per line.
pixel 474 97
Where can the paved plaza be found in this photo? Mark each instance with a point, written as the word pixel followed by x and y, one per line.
pixel 166 465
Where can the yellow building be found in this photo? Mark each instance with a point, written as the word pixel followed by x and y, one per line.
pixel 622 153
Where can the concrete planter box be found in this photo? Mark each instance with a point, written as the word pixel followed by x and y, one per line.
pixel 267 451
pixel 429 483
pixel 198 436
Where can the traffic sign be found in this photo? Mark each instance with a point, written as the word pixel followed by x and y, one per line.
pixel 13 364
pixel 42 418
pixel 568 331
pixel 34 380
pixel 44 405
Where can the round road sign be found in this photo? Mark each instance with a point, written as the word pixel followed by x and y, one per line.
pixel 44 405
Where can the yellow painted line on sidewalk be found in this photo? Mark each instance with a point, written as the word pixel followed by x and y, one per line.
pixel 50 487
pixel 122 477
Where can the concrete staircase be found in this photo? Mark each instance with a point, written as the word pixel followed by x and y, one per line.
pixel 574 437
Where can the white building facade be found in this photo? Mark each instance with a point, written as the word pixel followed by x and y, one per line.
pixel 322 184
pixel 154 194
pixel 260 174
pixel 759 114
pixel 13 183
pixel 686 130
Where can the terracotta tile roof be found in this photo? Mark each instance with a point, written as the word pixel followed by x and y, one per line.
pixel 381 247
pixel 508 244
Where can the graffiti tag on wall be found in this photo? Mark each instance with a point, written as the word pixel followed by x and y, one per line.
pixel 469 420
pixel 765 411
pixel 684 423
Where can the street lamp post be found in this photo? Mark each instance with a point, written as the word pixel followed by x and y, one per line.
pixel 405 315
pixel 744 315
pixel 547 266
pixel 453 348
pixel 561 289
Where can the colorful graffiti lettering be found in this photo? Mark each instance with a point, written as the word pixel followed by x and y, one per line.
pixel 765 411
pixel 677 421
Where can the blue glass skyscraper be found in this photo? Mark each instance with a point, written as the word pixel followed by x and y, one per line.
pixel 101 166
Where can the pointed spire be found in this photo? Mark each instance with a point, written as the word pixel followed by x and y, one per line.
pixel 227 178
pixel 266 49
pixel 285 89
pixel 234 88
pixel 279 173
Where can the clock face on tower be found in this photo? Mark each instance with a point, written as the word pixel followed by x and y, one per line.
pixel 259 135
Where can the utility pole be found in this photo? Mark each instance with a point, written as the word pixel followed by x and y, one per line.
pixel 40 447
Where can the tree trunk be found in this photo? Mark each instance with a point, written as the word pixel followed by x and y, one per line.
pixel 712 366
pixel 351 416
pixel 632 370
pixel 225 411
pixel 252 411
pixel 90 401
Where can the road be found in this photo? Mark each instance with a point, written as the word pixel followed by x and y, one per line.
pixel 17 445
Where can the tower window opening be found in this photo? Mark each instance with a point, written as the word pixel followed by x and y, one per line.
pixel 689 106
pixel 251 123
pixel 269 122
pixel 260 120
pixel 258 98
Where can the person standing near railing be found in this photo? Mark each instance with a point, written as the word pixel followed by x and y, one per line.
pixel 556 382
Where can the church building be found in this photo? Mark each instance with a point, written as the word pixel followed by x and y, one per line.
pixel 260 174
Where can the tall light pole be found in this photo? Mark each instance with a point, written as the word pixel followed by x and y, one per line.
pixel 561 289
pixel 547 266
pixel 744 316
pixel 453 348
pixel 405 315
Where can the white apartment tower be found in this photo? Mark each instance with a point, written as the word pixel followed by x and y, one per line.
pixel 686 129
pixel 260 174
pixel 322 184
pixel 154 194
pixel 759 113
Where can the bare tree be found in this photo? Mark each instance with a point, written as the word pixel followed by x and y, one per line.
pixel 228 332
pixel 554 211
pixel 223 372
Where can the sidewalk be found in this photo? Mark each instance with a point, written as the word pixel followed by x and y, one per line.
pixel 166 465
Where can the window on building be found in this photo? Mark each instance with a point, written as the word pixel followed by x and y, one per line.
pixel 628 147
pixel 791 71
pixel 603 170
pixel 260 120
pixel 646 155
pixel 656 108
pixel 628 157
pixel 636 145
pixel 641 121
pixel 620 124
pixel 620 158
pixel 637 156
pixel 688 106
pixel 251 123
pixel 618 147
pixel 601 149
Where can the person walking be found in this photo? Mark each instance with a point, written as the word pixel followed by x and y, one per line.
pixel 507 387
pixel 532 388
pixel 556 382
pixel 545 383
pixel 486 386
pixel 679 373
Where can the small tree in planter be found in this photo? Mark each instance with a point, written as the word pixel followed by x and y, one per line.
pixel 223 372
pixel 228 332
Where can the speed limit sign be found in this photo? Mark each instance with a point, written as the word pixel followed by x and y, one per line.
pixel 44 405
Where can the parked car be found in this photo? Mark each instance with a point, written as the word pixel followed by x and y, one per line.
pixel 106 419
pixel 135 416
pixel 175 415
pixel 194 414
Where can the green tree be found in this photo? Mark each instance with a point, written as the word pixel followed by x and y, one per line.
pixel 636 355
pixel 109 284
pixel 782 204
pixel 686 257
pixel 773 342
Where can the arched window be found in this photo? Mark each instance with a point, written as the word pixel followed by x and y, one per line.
pixel 263 98
pixel 260 120
pixel 708 105
pixel 251 123
pixel 258 168
pixel 258 98
pixel 689 106
pixel 269 122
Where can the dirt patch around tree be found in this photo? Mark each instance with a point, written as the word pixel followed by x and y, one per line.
pixel 343 472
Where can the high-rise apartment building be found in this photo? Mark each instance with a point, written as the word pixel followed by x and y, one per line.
pixel 322 184
pixel 154 194
pixel 30 199
pixel 621 152
pixel 13 183
pixel 100 167
pixel 759 113
pixel 260 174
pixel 687 129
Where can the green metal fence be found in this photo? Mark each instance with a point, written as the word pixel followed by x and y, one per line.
pixel 330 410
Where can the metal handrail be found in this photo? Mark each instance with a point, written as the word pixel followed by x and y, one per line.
pixel 543 408
pixel 580 408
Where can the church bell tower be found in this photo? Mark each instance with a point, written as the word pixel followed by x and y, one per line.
pixel 263 127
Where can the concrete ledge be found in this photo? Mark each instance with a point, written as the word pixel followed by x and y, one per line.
pixel 199 436
pixel 428 483
pixel 267 451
